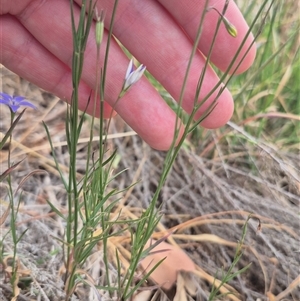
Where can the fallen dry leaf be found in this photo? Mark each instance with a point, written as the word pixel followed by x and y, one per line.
pixel 189 283
pixel 142 296
pixel 180 289
pixel 165 275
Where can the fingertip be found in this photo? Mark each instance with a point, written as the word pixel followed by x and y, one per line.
pixel 221 114
pixel 108 111
pixel 232 54
pixel 87 100
pixel 164 141
pixel 245 58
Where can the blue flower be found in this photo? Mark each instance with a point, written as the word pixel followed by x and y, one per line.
pixel 132 76
pixel 15 102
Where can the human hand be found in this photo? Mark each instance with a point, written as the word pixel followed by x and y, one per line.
pixel 37 44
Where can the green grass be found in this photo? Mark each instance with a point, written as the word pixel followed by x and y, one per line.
pixel 89 201
pixel 272 83
pixel 266 107
pixel 267 96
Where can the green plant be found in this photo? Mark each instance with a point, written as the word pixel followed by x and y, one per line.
pixel 90 201
pixel 230 274
pixel 13 103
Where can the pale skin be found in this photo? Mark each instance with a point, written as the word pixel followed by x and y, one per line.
pixel 36 43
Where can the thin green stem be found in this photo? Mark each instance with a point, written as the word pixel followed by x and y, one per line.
pixel 102 143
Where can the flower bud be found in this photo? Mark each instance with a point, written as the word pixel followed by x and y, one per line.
pixel 99 27
pixel 231 29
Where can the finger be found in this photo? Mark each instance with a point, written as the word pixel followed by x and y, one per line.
pixel 142 107
pixel 24 55
pixel 188 14
pixel 13 8
pixel 152 35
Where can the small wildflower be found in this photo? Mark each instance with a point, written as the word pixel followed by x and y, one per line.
pixel 132 76
pixel 15 102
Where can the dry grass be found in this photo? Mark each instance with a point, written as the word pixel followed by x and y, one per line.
pixel 206 200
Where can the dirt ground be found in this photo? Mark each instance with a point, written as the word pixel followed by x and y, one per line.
pixel 213 190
